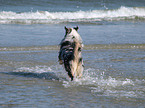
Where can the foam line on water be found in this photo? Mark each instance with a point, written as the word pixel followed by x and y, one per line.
pixel 97 82
pixel 86 47
pixel 45 72
pixel 101 85
pixel 121 13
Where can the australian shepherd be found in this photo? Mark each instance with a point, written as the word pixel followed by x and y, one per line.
pixel 70 53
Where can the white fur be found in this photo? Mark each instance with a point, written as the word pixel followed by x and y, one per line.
pixel 75 34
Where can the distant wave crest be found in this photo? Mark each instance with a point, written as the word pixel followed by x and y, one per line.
pixel 45 17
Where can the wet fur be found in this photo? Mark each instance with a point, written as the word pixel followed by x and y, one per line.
pixel 70 54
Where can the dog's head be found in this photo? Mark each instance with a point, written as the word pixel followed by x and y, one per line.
pixel 71 31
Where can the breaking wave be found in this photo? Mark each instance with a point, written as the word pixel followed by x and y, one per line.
pixel 46 17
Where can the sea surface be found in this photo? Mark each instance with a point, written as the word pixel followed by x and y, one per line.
pixel 113 33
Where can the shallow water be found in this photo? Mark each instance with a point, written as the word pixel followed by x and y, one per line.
pixel 113 54
pixel 112 78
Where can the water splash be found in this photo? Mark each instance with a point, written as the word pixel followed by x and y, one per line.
pixel 97 82
pixel 54 72
pixel 101 85
pixel 95 78
pixel 36 69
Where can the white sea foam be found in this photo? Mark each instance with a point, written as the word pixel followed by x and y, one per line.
pixel 121 13
pixel 36 69
pixel 93 79
pixel 101 85
pixel 55 71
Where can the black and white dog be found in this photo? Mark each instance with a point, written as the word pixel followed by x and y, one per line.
pixel 70 53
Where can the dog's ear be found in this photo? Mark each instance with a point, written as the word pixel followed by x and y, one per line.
pixel 76 28
pixel 67 30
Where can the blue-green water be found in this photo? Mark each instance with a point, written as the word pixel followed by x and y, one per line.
pixel 114 53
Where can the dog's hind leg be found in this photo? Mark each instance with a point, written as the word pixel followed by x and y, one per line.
pixel 77 61
pixel 80 68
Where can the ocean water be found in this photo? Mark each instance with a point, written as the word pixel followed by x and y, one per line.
pixel 113 33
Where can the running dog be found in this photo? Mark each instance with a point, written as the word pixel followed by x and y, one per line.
pixel 70 53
